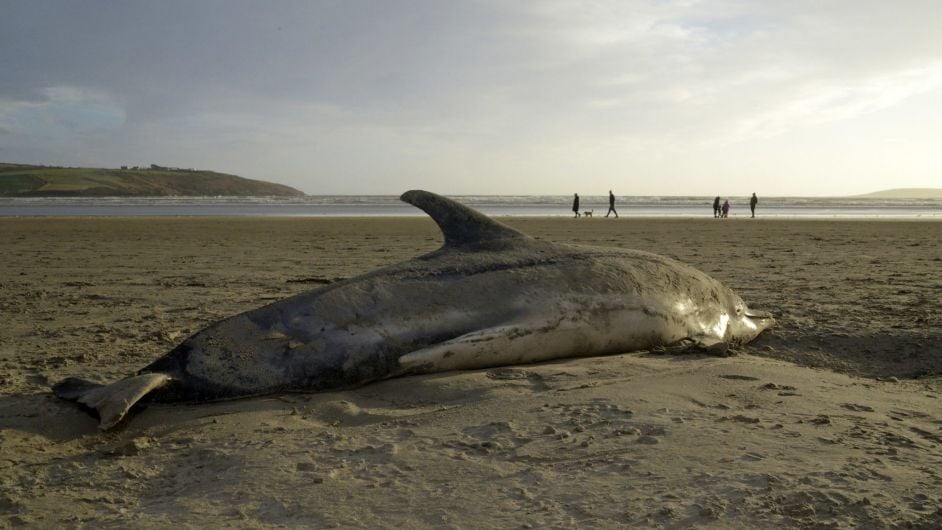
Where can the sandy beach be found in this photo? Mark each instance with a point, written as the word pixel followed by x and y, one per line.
pixel 831 419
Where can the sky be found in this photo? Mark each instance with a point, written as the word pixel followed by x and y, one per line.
pixel 643 97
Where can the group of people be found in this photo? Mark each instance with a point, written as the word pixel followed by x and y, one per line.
pixel 588 213
pixel 719 211
pixel 723 211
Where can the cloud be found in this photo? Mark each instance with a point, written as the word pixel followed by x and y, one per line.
pixel 822 102
pixel 61 110
pixel 309 90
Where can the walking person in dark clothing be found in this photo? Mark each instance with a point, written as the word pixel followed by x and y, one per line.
pixel 611 204
pixel 716 207
pixel 575 204
pixel 752 203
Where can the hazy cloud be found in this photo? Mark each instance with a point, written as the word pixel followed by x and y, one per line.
pixel 480 96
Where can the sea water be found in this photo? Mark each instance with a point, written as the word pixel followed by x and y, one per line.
pixel 494 205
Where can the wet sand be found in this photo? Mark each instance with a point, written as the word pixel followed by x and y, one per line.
pixel 833 418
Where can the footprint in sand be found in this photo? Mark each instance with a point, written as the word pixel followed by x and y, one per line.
pixel 583 422
pixel 735 377
pixel 935 438
pixel 857 408
pixel 518 374
pixel 493 438
pixel 781 388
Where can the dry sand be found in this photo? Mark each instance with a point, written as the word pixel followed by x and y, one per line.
pixel 832 419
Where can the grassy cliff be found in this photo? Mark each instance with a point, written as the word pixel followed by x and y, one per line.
pixel 18 180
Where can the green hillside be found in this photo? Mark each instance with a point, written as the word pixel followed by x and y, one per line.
pixel 18 180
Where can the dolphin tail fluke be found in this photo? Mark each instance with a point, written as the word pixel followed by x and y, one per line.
pixel 112 402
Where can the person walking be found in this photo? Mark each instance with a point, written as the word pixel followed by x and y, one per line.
pixel 611 204
pixel 752 204
pixel 575 204
pixel 716 207
pixel 726 208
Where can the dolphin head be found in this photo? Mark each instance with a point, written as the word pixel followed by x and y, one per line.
pixel 745 324
pixel 720 316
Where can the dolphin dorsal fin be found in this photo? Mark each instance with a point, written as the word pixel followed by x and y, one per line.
pixel 460 225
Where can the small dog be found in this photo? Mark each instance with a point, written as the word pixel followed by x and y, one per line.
pixel 587 213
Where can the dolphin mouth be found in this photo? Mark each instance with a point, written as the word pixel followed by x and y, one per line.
pixel 764 315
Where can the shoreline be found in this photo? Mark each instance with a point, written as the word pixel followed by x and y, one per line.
pixel 512 206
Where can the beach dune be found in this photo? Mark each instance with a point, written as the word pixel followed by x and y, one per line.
pixel 834 417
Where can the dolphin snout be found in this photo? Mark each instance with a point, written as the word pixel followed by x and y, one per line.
pixel 759 319
pixel 752 313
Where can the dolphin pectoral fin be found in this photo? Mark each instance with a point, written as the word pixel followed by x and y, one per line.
pixel 496 346
pixel 112 402
pixel 440 357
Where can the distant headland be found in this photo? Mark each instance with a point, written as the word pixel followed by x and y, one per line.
pixel 905 193
pixel 22 180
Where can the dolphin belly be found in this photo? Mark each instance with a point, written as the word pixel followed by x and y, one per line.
pixel 571 329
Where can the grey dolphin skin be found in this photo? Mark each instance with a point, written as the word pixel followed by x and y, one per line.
pixel 489 296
